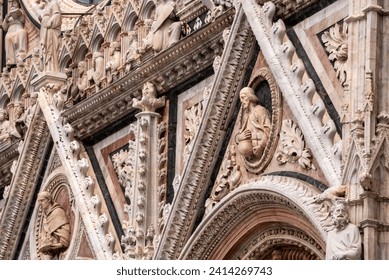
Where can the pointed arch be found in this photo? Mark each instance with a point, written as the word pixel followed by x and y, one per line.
pixel 147 9
pixel 4 100
pixel 129 21
pixel 96 41
pixel 113 29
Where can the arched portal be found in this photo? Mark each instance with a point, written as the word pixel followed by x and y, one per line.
pixel 272 218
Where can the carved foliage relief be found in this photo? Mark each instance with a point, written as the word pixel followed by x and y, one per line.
pixel 335 41
pixel 191 106
pixel 292 147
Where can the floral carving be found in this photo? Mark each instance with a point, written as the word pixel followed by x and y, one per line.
pixel 335 41
pixel 228 180
pixel 192 123
pixel 123 165
pixel 292 147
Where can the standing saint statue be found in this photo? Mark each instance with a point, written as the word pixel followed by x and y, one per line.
pixel 16 37
pixel 50 35
pixel 55 237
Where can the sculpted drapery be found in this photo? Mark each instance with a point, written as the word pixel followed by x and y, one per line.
pixel 16 37
pixel 50 35
pixel 166 29
pixel 56 231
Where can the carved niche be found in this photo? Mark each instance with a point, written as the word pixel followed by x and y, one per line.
pixel 55 225
pixel 256 147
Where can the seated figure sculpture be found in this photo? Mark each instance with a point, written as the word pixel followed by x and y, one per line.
pixel 254 126
pixel 5 125
pixel 132 54
pixel 96 74
pixel 166 28
pixel 18 126
pixel 112 66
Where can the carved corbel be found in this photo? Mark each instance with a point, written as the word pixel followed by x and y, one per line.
pixel 83 166
pixel 332 194
pixel 89 184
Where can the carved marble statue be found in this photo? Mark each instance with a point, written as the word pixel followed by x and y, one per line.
pixel 129 242
pixel 148 40
pixel 55 232
pixel 50 35
pixel 166 28
pixel 96 74
pixel 132 54
pixel 29 113
pixel 254 126
pixel 78 91
pixel 344 241
pixel 18 127
pixel 113 64
pixel 5 125
pixel 332 194
pixel 149 246
pixel 16 37
pixel 149 102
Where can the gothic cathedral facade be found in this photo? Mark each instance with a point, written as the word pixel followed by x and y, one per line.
pixel 204 129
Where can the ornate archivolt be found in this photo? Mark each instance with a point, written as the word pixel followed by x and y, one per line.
pixel 253 207
pixel 283 242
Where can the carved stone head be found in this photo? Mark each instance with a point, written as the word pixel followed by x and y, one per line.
pixel 3 114
pixel 247 96
pixel 45 199
pixel 339 212
pixel 81 67
pixel 149 90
